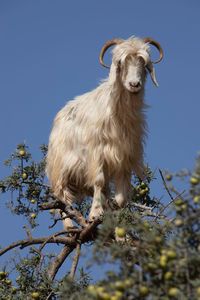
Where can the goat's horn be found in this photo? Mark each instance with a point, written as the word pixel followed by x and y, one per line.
pixel 157 45
pixel 107 45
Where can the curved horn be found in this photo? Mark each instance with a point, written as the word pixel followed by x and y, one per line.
pixel 157 45
pixel 105 47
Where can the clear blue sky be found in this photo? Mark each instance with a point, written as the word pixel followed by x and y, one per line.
pixel 49 53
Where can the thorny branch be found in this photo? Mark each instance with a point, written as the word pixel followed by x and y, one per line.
pixel 165 185
pixel 72 238
pixel 172 198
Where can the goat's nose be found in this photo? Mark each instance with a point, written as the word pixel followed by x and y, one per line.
pixel 134 84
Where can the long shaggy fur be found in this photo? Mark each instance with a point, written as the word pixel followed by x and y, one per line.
pixel 99 136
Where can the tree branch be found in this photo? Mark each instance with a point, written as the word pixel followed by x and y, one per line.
pixel 58 261
pixel 87 234
pixel 41 240
pixel 67 208
pixel 75 260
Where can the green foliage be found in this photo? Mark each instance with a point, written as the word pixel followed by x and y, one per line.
pixel 156 255
pixel 26 183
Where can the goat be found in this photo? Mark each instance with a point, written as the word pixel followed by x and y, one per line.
pixel 99 136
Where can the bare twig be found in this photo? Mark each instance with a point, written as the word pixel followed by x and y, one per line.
pixel 55 221
pixel 49 296
pixel 41 259
pixel 75 260
pixel 165 185
pixel 28 231
pixel 141 206
pixel 172 198
pixel 67 208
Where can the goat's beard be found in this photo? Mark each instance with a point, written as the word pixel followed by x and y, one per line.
pixel 136 91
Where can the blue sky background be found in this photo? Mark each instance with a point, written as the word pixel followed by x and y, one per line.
pixel 49 53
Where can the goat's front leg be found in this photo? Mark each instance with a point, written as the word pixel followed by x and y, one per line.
pixel 122 188
pixel 98 198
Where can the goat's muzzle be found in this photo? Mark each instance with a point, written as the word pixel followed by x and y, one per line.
pixel 134 86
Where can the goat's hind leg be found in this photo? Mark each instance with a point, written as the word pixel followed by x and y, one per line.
pixel 122 188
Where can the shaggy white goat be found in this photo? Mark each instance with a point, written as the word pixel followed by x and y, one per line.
pixel 98 137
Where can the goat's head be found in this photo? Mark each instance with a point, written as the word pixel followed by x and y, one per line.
pixel 130 59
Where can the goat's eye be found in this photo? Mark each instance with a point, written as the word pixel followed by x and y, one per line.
pixel 118 65
pixel 141 59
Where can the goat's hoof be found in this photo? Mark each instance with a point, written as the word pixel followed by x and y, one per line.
pixel 91 219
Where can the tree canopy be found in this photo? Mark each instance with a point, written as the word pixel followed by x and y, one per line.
pixel 152 245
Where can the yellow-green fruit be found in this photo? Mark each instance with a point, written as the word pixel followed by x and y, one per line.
pixel 120 232
pixel 143 185
pixel 146 224
pixel 24 176
pixel 171 254
pixel 168 177
pixel 137 187
pixel 158 239
pixel 183 206
pixel 173 292
pixel 100 289
pixel 33 216
pixel 118 294
pixel 91 288
pixel 104 296
pixel 52 211
pixel 142 192
pixel 128 283
pixel 119 285
pixel 143 290
pixel 194 180
pixel 168 275
pixel 178 202
pixel 32 201
pixel 8 282
pixel 152 266
pixel 178 222
pixel 115 297
pixel 14 289
pixel 163 261
pixel 198 291
pixel 22 288
pixel 35 295
pixel 18 278
pixel 146 189
pixel 196 199
pixel 21 152
pixel 164 251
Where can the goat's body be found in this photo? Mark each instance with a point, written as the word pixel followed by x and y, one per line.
pixel 100 131
pixel 99 136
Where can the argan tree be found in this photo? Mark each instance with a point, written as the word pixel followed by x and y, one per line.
pixel 151 247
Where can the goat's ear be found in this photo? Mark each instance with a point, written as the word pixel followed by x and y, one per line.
pixel 152 73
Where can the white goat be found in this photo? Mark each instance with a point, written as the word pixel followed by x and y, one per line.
pixel 98 137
